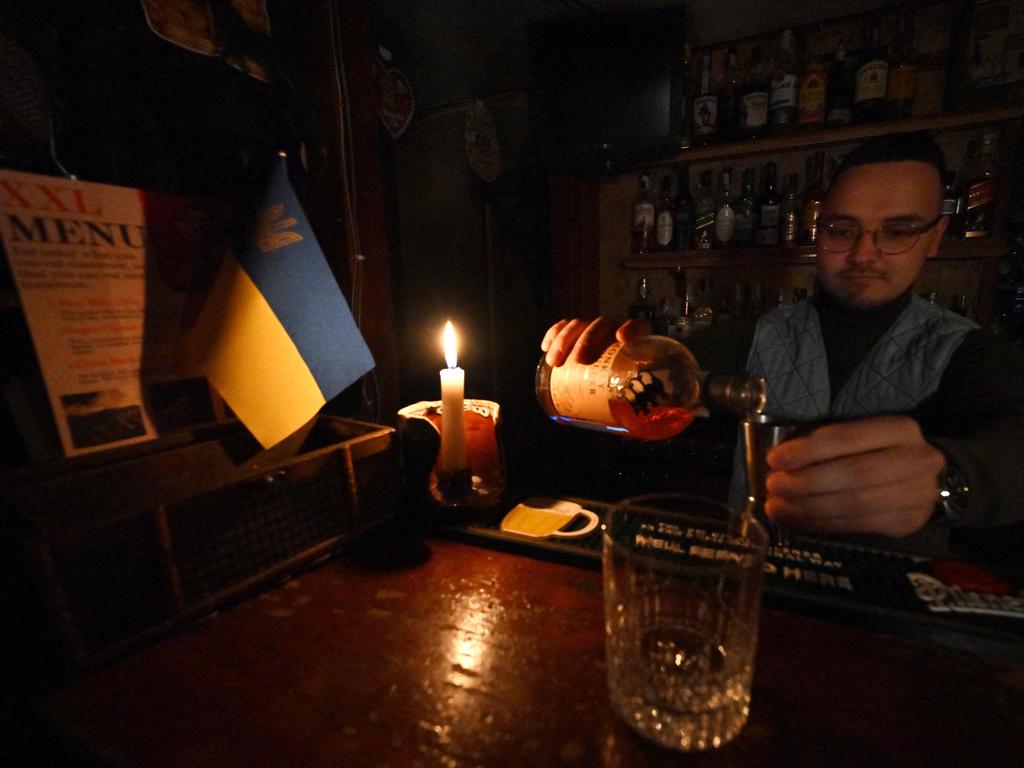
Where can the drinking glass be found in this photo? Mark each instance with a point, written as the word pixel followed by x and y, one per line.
pixel 682 593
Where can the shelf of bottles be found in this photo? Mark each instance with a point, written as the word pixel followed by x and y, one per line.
pixel 770 117
pixel 838 81
pixel 846 134
pixel 802 91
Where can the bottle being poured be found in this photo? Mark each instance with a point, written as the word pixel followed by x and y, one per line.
pixel 650 388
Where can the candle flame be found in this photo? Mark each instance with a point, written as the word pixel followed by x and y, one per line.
pixel 450 345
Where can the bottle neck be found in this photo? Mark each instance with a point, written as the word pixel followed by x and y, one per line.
pixel 738 395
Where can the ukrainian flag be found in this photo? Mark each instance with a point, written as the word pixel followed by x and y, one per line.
pixel 275 336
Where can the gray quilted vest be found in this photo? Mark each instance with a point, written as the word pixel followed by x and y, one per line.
pixel 903 368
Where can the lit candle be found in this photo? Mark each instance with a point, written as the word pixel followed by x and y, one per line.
pixel 453 417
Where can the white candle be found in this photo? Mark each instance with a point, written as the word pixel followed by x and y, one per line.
pixel 453 415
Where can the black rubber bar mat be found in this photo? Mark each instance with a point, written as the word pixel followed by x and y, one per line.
pixel 945 601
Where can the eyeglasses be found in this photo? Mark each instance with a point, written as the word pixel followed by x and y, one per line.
pixel 891 239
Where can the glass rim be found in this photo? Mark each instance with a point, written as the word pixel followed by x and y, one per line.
pixel 753 529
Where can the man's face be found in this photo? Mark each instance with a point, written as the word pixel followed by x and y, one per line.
pixel 870 196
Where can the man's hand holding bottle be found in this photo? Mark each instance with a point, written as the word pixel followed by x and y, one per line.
pixel 582 341
pixel 872 475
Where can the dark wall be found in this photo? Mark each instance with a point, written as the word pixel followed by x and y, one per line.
pixel 472 251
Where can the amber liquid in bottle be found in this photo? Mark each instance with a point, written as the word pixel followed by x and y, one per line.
pixel 649 389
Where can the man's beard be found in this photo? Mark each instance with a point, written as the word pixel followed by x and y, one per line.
pixel 852 297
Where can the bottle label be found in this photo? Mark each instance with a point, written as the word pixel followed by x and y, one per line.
pixel 725 224
pixel 783 92
pixel 768 232
pixel 755 110
pixel 789 228
pixel 769 216
pixel 901 83
pixel 581 391
pixel 812 99
pixel 705 114
pixel 744 227
pixel 643 217
pixel 839 115
pixel 705 225
pixel 982 193
pixel 664 228
pixel 872 79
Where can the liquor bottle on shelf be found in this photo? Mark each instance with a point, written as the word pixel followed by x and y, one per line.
pixel 782 104
pixel 664 320
pixel 756 299
pixel 704 216
pixel 968 170
pixel 664 221
pixel 814 198
pixel 686 138
pixel 840 91
pixel 746 212
pixel 951 207
pixel 740 304
pixel 642 307
pixel 643 217
pixel 682 291
pixel 648 389
pixel 789 212
pixel 982 190
pixel 754 101
pixel 813 95
pixel 705 107
pixel 729 100
pixel 703 316
pixel 961 305
pixel 872 80
pixel 725 214
pixel 682 214
pixel 767 232
pixel 902 68
pixel 1009 305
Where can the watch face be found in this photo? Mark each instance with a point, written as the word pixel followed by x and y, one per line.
pixel 953 493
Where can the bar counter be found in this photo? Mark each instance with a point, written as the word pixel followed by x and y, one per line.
pixel 409 652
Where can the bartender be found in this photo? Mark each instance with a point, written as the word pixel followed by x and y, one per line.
pixel 920 411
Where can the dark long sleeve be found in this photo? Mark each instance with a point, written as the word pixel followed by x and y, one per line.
pixel 977 419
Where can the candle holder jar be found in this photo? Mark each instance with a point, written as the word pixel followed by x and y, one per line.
pixel 480 484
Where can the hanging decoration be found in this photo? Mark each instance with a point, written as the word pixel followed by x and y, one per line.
pixel 482 142
pixel 191 24
pixel 395 104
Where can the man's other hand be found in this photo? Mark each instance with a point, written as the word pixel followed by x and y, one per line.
pixel 872 475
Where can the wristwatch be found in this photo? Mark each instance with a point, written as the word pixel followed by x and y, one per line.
pixel 954 493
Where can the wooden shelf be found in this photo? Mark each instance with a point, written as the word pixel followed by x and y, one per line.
pixel 849 133
pixel 737 257
pixel 951 250
pixel 973 248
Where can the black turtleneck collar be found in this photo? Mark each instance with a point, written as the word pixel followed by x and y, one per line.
pixel 849 333
pixel 828 304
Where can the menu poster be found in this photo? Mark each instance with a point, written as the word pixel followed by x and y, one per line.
pixel 108 278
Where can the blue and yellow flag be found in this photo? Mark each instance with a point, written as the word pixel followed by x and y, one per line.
pixel 275 335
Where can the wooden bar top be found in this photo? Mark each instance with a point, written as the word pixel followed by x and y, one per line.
pixel 437 653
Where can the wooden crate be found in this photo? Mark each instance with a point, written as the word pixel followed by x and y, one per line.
pixel 120 552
